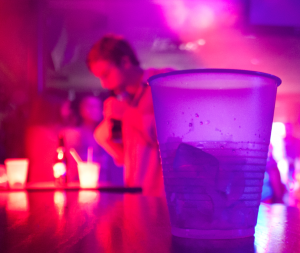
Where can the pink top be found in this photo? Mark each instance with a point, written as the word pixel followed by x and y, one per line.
pixel 141 154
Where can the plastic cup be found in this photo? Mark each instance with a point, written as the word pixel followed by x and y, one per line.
pixel 213 128
pixel 88 174
pixel 16 170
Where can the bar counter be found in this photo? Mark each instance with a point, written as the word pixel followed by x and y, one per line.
pixel 74 220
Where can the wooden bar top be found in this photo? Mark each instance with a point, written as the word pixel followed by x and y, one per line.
pixel 96 221
pixel 50 186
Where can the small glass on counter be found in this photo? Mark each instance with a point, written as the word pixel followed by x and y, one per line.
pixel 16 170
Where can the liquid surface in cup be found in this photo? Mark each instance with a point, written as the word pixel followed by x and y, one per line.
pixel 214 186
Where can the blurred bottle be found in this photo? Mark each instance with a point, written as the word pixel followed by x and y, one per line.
pixel 117 124
pixel 116 129
pixel 60 165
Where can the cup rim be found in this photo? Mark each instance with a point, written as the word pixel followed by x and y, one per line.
pixel 216 70
pixel 16 160
pixel 83 162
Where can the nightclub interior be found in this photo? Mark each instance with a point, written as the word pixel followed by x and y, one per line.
pixel 62 189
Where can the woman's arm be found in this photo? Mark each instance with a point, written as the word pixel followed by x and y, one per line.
pixel 103 136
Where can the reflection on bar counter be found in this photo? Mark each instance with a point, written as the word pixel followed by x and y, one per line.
pixel 60 165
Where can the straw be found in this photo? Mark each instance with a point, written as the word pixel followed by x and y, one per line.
pixel 90 155
pixel 75 155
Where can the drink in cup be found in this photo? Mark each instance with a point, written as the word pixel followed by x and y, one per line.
pixel 88 174
pixel 16 170
pixel 213 128
pixel 88 171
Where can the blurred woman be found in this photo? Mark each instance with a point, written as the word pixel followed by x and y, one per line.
pixel 89 109
pixel 273 188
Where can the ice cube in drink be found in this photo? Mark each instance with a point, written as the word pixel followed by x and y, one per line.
pixel 215 188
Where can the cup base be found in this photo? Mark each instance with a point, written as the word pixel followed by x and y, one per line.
pixel 212 234
pixel 88 186
pixel 17 185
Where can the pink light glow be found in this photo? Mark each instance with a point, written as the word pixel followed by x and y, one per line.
pixel 60 201
pixel 271 223
pixel 202 17
pixel 87 200
pixel 190 18
pixel 175 12
pixel 59 169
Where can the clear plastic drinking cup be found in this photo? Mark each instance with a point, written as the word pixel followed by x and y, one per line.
pixel 88 174
pixel 213 128
pixel 16 170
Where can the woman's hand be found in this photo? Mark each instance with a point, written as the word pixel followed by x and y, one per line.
pixel 114 109
pixel 103 136
pixel 103 131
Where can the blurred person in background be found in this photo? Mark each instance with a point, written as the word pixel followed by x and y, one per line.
pixel 69 118
pixel 89 110
pixel 292 149
pixel 130 110
pixel 273 189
